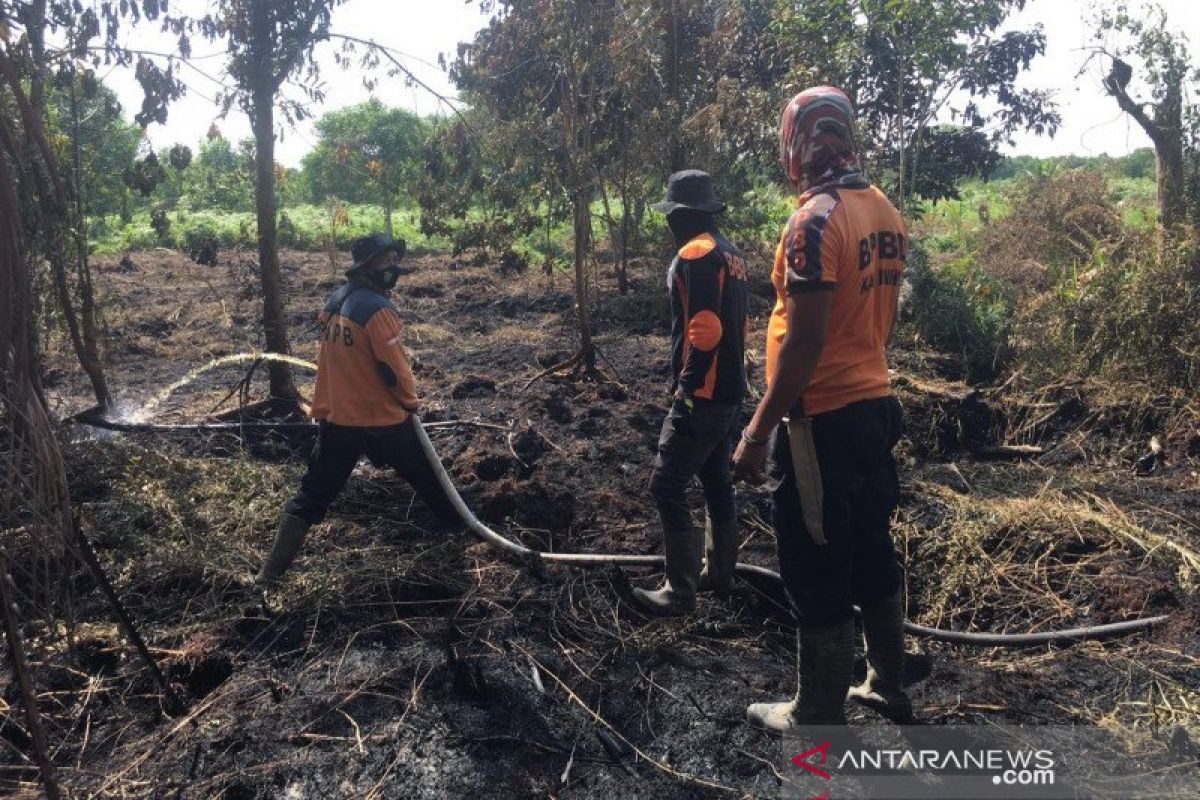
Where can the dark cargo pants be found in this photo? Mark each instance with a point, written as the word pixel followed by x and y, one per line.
pixel 339 448
pixel 861 489
pixel 695 442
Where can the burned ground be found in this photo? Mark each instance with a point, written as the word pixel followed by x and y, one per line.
pixel 413 661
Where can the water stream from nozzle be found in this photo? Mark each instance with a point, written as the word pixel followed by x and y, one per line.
pixel 147 409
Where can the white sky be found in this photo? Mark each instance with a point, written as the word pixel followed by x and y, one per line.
pixel 422 29
pixel 1092 123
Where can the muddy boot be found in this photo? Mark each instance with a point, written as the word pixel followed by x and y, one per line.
pixel 677 596
pixel 883 690
pixel 824 665
pixel 720 555
pixel 288 539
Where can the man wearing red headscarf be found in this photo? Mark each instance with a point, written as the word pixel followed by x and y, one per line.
pixel 829 420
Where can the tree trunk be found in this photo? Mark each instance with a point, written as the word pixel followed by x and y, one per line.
pixel 1168 154
pixel 675 156
pixel 616 238
pixel 18 351
pixel 387 216
pixel 623 188
pixel 36 27
pixel 623 256
pixel 1166 132
pixel 83 271
pixel 1172 200
pixel 56 212
pixel 32 481
pixel 582 216
pixel 282 385
pixel 262 101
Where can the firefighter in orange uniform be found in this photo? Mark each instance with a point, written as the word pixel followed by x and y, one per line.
pixel 364 401
pixel 830 421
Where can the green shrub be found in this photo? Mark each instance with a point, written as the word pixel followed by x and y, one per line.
pixel 305 229
pixel 958 309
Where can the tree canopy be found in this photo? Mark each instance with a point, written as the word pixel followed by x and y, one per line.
pixel 366 153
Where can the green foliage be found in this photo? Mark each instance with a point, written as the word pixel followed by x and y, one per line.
pixel 757 216
pixel 1138 164
pixel 144 175
pixel 365 154
pixel 901 61
pixel 307 228
pixel 269 44
pixel 949 155
pixel 220 177
pixel 161 224
pixel 90 115
pixel 957 308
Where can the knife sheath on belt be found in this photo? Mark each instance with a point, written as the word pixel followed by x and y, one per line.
pixel 808 475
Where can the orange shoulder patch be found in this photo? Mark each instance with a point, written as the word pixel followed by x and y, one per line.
pixel 704 330
pixel 699 247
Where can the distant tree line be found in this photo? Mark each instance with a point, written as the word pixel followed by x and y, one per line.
pixel 364 154
pixel 1137 164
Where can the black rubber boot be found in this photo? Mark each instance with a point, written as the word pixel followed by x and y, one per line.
pixel 720 555
pixel 883 690
pixel 288 539
pixel 824 665
pixel 677 596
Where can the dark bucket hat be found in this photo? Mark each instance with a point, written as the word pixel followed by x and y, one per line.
pixel 693 189
pixel 365 248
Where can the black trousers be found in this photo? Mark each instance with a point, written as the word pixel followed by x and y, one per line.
pixel 338 449
pixel 858 563
pixel 695 442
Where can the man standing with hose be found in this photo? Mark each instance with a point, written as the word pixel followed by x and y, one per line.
pixel 707 283
pixel 830 421
pixel 364 401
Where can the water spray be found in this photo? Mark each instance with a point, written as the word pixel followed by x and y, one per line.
pixel 144 414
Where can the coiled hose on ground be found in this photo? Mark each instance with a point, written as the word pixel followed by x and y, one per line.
pixel 522 553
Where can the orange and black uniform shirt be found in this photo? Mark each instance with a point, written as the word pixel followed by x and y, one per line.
pixel 849 240
pixel 363 375
pixel 707 281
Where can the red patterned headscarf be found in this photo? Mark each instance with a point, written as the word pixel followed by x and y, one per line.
pixel 816 137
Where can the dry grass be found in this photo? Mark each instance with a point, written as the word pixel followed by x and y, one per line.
pixel 1023 549
pixel 1037 562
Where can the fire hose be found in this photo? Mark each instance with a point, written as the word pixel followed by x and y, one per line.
pixel 521 553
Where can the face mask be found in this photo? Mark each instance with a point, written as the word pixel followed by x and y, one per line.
pixel 389 276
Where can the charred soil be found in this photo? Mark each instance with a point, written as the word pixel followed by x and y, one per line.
pixel 406 660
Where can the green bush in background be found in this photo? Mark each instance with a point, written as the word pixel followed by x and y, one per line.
pixel 958 309
pixel 306 228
